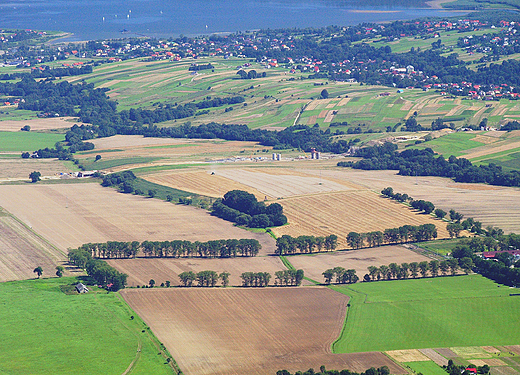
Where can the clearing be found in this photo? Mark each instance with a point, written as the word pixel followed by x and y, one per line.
pixel 243 331
pixel 70 215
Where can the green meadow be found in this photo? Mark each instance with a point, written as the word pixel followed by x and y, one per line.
pixel 27 141
pixel 451 144
pixel 43 330
pixel 428 313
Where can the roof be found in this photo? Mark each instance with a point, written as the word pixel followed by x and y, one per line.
pixel 81 288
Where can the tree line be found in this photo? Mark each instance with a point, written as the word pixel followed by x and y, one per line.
pixel 287 245
pixel 244 209
pixel 342 275
pixel 454 228
pixel 249 279
pixel 229 248
pixel 405 233
pixel 103 274
pixel 384 370
pixel 424 163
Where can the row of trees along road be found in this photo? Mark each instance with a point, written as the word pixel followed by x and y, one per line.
pixel 305 244
pixel 456 225
pixel 174 249
pixel 342 275
pixel 406 233
pixel 407 270
pixel 249 279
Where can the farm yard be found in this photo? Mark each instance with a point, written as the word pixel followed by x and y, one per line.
pixel 244 331
pixel 314 265
pixel 73 214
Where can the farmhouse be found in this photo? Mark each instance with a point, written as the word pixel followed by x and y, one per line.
pixel 81 288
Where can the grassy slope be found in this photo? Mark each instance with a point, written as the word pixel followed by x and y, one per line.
pixel 44 331
pixel 426 367
pixel 27 141
pixel 428 313
pixel 451 144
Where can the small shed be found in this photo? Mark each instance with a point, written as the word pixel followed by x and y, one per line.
pixel 81 288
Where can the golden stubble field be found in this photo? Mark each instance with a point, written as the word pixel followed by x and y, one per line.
pixel 242 331
pixel 21 251
pixel 359 260
pixel 492 205
pixel 38 124
pixel 73 214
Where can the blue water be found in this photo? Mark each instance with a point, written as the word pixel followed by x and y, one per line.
pixel 98 19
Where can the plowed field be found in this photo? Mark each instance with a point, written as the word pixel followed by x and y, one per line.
pixel 360 260
pixel 73 214
pixel 250 331
pixel 141 270
pixel 349 211
pixel 21 251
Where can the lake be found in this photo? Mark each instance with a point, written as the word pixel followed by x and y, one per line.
pixel 98 19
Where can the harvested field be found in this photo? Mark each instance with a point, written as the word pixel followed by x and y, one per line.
pixel 201 182
pixel 409 355
pixel 499 206
pixel 125 141
pixel 73 214
pixel 445 352
pixel 469 352
pixel 360 260
pixel 490 150
pixel 434 356
pixel 514 349
pixel 141 270
pixel 349 211
pixel 282 185
pixel 489 362
pixel 21 251
pixel 491 349
pixel 241 331
pixel 19 169
pixel 37 124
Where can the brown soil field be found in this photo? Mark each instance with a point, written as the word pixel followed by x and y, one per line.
pixel 239 331
pixel 490 149
pixel 201 182
pixel 499 206
pixel 16 169
pixel 37 124
pixel 348 211
pixel 73 214
pixel 360 260
pixel 282 185
pixel 141 270
pixel 21 251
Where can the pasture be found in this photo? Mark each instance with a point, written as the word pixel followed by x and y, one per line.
pixel 21 251
pixel 314 265
pixel 247 330
pixel 27 141
pixel 45 331
pixel 68 215
pixel 492 205
pixel 428 313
